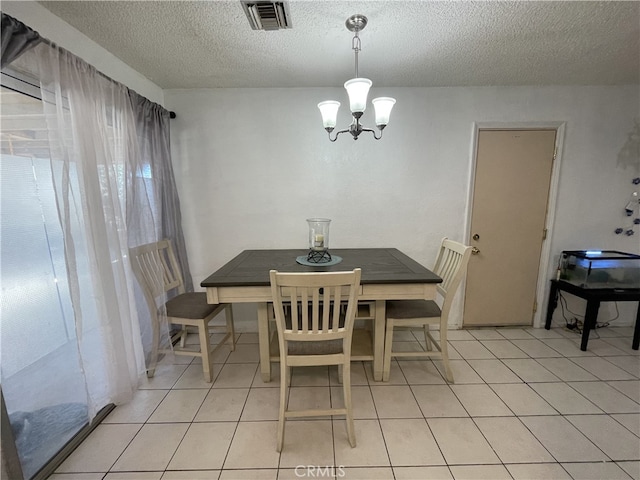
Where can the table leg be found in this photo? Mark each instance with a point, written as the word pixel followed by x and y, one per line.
pixel 263 339
pixel 590 318
pixel 636 331
pixel 553 303
pixel 378 339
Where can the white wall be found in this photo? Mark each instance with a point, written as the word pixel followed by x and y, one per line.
pixel 60 32
pixel 253 164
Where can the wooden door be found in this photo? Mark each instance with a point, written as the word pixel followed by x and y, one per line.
pixel 511 191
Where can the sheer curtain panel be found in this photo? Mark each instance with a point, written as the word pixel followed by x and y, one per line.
pixel 87 175
pixel 95 161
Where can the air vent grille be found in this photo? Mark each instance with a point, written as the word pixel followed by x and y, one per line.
pixel 267 15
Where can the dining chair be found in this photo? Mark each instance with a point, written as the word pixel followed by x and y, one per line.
pixel 157 271
pixel 451 265
pixel 315 329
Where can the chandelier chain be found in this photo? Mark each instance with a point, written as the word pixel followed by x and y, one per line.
pixel 357 47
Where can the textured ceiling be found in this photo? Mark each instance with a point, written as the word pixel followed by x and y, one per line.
pixel 199 44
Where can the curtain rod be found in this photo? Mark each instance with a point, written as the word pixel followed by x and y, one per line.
pixel 45 40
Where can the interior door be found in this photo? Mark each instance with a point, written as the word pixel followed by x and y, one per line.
pixel 511 191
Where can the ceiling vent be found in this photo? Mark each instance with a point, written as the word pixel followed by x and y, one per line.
pixel 267 15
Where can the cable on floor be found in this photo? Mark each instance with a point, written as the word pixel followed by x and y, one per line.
pixel 576 322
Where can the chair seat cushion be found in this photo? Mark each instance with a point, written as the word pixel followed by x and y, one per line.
pixel 190 305
pixel 412 309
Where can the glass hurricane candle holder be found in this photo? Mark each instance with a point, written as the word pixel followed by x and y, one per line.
pixel 319 240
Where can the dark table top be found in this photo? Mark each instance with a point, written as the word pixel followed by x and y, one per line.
pixel 379 265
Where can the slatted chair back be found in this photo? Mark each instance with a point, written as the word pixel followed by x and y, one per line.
pixel 450 265
pixel 311 306
pixel 156 267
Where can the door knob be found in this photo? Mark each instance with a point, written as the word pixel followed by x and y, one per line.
pixel 476 237
pixel 475 251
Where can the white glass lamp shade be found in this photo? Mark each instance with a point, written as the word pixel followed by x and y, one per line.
pixel 329 111
pixel 358 89
pixel 383 106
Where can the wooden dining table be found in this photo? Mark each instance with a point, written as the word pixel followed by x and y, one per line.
pixel 387 274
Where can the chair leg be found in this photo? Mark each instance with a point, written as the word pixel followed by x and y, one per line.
pixel 155 346
pixel 427 339
pixel 284 389
pixel 386 366
pixel 444 350
pixel 205 351
pixel 346 388
pixel 228 313
pixel 183 336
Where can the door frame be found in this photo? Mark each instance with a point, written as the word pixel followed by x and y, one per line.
pixel 545 254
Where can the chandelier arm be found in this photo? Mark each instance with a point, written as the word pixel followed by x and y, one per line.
pixel 337 133
pixel 374 133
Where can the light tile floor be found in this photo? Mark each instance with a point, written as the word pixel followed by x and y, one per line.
pixel 527 404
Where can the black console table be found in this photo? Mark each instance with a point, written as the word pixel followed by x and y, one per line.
pixel 594 296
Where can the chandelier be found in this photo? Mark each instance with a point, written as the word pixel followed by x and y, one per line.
pixel 357 89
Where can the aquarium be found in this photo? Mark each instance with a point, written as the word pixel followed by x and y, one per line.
pixel 600 268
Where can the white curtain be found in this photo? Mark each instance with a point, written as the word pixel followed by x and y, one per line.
pixel 96 165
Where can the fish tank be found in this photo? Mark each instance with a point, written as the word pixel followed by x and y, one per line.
pixel 600 269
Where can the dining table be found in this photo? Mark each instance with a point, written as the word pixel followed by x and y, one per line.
pixel 387 274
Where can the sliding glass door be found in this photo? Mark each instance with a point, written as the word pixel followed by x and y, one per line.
pixel 42 379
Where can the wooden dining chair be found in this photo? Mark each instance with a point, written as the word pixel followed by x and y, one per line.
pixel 158 273
pixel 451 265
pixel 315 329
